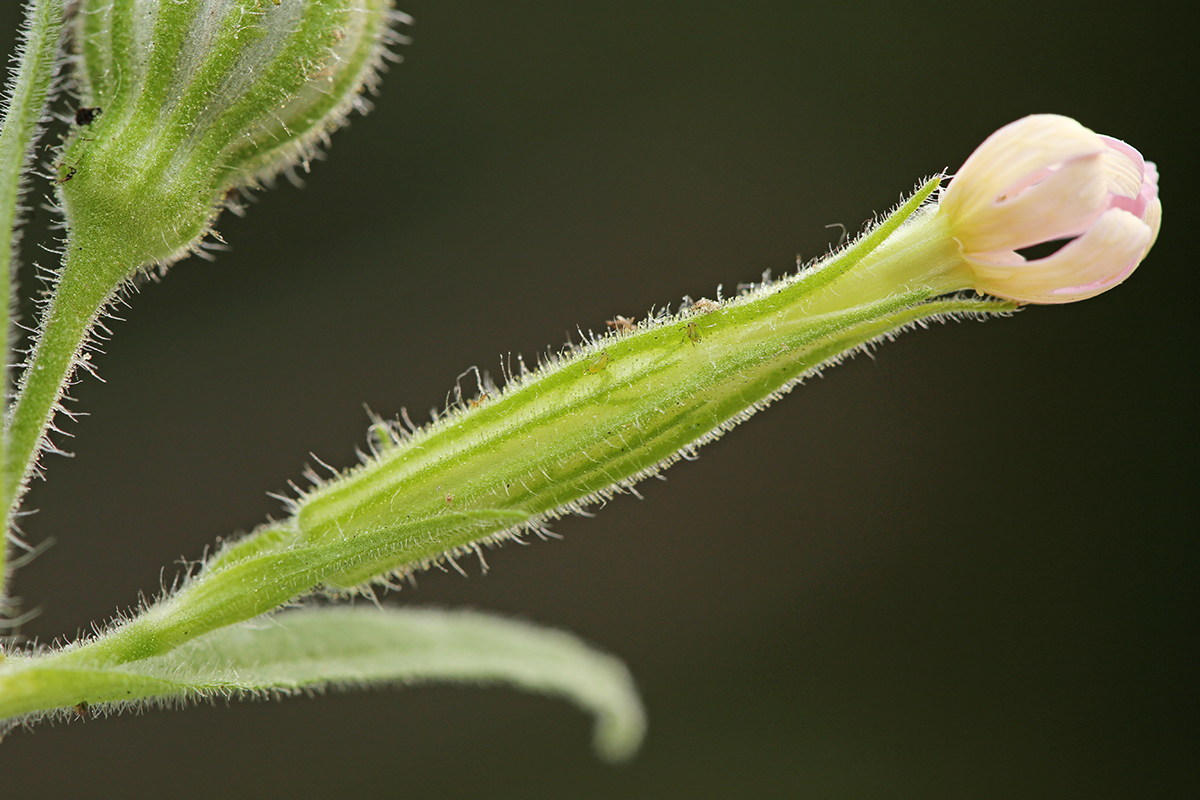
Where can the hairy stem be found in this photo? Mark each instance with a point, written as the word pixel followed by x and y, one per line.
pixel 89 279
pixel 27 94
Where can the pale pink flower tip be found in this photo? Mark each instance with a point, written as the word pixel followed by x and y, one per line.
pixel 1046 178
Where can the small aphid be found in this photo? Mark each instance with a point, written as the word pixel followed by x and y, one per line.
pixel 70 173
pixel 85 116
pixel 449 499
pixel 693 333
pixel 326 72
pixel 599 364
pixel 82 711
pixel 620 323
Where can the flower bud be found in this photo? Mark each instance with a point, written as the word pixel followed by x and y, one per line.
pixel 188 100
pixel 1046 178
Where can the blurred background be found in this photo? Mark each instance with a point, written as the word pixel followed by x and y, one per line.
pixel 964 568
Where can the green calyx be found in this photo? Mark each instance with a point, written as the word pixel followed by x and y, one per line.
pixel 624 406
pixel 180 103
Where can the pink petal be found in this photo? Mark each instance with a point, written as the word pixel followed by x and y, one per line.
pixel 1061 205
pixel 1099 259
pixel 1014 156
pixel 1131 184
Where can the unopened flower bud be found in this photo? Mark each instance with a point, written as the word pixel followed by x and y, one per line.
pixel 1046 178
pixel 187 100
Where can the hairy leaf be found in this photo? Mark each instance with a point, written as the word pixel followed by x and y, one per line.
pixel 317 648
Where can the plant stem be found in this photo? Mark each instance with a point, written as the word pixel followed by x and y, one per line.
pixel 87 282
pixel 28 92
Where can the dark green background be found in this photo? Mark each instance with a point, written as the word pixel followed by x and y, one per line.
pixel 966 568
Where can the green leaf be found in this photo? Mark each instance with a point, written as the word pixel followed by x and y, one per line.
pixel 317 648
